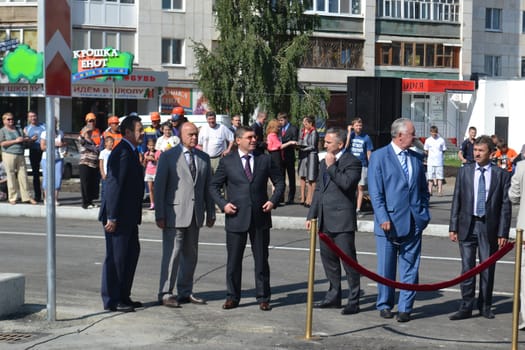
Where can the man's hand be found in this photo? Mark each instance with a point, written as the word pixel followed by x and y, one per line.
pixel 502 241
pixel 110 226
pixel 161 223
pixel 453 236
pixel 268 206
pixel 308 224
pixel 230 209
pixel 386 226
pixel 329 159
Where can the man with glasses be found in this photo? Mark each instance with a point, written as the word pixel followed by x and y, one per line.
pixel 33 130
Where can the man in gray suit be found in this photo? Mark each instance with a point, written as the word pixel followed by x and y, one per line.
pixel 480 221
pixel 181 200
pixel 334 206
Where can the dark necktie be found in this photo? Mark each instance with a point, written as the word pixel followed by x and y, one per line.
pixel 191 164
pixel 247 169
pixel 404 165
pixel 480 204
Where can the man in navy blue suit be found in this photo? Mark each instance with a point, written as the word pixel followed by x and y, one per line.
pixel 399 195
pixel 121 213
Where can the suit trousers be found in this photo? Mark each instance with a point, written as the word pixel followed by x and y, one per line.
pixel 392 255
pixel 179 260
pixel 332 268
pixel 118 271
pixel 15 168
pixel 288 168
pixel 89 179
pixel 235 245
pixel 477 240
pixel 35 157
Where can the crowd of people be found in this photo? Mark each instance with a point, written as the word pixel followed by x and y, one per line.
pixel 189 172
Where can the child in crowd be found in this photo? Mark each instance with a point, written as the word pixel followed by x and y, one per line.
pixel 150 163
pixel 167 140
pixel 103 161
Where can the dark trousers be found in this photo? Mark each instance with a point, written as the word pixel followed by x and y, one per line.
pixel 288 168
pixel 332 268
pixel 118 271
pixel 235 245
pixel 477 241
pixel 89 184
pixel 35 157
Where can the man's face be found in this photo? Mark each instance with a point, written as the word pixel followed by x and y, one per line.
pixel 135 136
pixel 212 121
pixel 358 127
pixel 434 134
pixel 33 118
pixel 331 144
pixel 236 121
pixel 282 122
pixel 155 124
pixel 482 154
pixel 405 139
pixel 247 142
pixel 189 135
pixel 262 118
pixel 472 133
pixel 114 127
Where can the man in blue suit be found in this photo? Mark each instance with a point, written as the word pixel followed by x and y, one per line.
pixel 399 195
pixel 121 213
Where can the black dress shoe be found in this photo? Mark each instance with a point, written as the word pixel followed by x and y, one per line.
pixel 135 304
pixel 386 313
pixel 487 314
pixel 403 317
pixel 461 315
pixel 327 305
pixel 121 308
pixel 350 309
pixel 171 302
pixel 230 304
pixel 265 306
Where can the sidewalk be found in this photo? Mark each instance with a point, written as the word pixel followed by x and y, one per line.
pixel 283 217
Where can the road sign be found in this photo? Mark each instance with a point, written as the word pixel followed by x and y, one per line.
pixel 57 48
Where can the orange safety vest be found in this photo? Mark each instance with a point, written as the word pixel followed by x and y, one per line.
pixel 95 136
pixel 117 137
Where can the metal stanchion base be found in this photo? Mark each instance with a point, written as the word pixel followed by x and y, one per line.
pixel 311 338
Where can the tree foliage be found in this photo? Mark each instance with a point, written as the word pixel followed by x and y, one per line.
pixel 255 63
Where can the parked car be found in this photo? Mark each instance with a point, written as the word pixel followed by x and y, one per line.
pixel 71 159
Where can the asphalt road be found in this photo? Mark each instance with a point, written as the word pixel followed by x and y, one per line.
pixel 81 322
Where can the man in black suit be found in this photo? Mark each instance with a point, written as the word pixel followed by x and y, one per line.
pixel 247 213
pixel 258 128
pixel 480 220
pixel 288 132
pixel 334 206
pixel 121 213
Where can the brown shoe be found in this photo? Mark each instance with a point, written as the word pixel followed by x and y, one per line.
pixel 230 304
pixel 192 299
pixel 264 306
pixel 171 302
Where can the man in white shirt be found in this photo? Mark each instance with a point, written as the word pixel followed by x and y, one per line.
pixel 215 139
pixel 435 148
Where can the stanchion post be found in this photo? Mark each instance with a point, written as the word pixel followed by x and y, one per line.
pixel 311 278
pixel 517 282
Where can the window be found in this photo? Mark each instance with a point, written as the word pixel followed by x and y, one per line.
pixel 422 10
pixel 172 51
pixel 523 67
pixel 523 22
pixel 334 54
pixel 417 55
pixel 493 65
pixel 98 39
pixel 493 19
pixel 24 36
pixel 173 5
pixel 335 7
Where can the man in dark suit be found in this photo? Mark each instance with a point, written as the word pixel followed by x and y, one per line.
pixel 258 128
pixel 287 133
pixel 480 221
pixel 121 213
pixel 182 198
pixel 398 191
pixel 247 213
pixel 334 206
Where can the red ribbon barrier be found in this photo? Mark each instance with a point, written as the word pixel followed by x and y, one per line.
pixel 416 287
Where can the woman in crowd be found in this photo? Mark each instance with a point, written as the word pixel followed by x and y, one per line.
pixel 274 144
pixel 59 160
pixel 167 140
pixel 88 165
pixel 308 167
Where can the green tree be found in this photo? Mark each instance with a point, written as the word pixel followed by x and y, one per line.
pixel 255 63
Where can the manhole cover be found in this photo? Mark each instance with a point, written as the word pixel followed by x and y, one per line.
pixel 14 337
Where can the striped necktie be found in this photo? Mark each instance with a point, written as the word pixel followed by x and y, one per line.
pixel 404 165
pixel 482 194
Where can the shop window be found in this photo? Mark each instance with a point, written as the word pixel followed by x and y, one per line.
pixel 172 51
pixel 493 19
pixel 173 5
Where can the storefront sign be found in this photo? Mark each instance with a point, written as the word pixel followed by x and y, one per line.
pixel 24 63
pixel 138 93
pixel 173 97
pixel 440 86
pixel 8 45
pixel 106 62
pixel 19 90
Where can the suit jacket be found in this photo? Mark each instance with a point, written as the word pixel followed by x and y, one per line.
pixel 334 200
pixel 177 196
pixel 498 207
pixel 291 134
pixel 393 198
pixel 517 192
pixel 124 188
pixel 259 132
pixel 247 196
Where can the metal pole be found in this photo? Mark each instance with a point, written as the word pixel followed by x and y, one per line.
pixel 311 277
pixel 517 284
pixel 50 210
